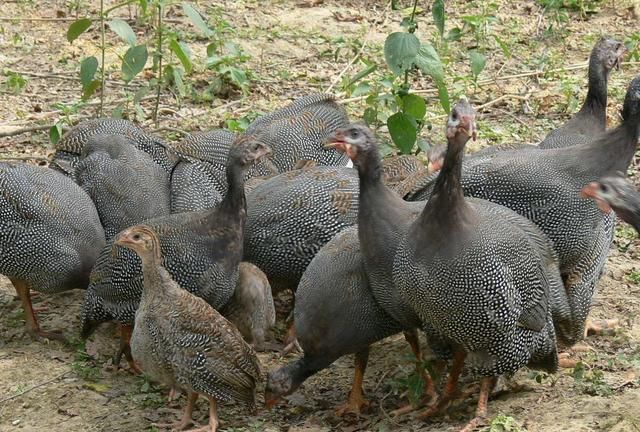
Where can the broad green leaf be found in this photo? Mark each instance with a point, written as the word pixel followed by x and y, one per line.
pixel 143 5
pixel 196 19
pixel 133 61
pixel 438 15
pixel 213 49
pixel 403 131
pixel 414 105
pixel 370 116
pixel 361 89
pixel 88 68
pixel 443 95
pixel 423 145
pixel 237 76
pixel 428 61
pixel 77 28
pixel 122 29
pixel 455 34
pixel 478 62
pixel 89 89
pixel 182 52
pixel 176 75
pixel 400 51
pixel 55 132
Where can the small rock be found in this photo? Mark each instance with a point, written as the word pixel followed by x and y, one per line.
pixel 15 422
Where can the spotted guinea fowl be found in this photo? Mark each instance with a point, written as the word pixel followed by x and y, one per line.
pixel 201 250
pixel 251 307
pixel 297 132
pixel 50 234
pixel 182 341
pixel 70 146
pixel 125 184
pixel 478 276
pixel 591 119
pixel 615 192
pixel 198 180
pixel 544 184
pixel 335 315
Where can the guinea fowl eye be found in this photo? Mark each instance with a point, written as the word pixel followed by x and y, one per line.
pixel 136 236
pixel 604 188
pixel 354 134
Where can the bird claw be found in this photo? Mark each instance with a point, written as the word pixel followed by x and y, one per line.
pixel 475 423
pixel 355 405
pixel 291 347
pixel 600 327
pixel 42 336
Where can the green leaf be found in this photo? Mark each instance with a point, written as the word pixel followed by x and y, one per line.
pixel 88 68
pixel 503 46
pixel 89 89
pixel 423 145
pixel 478 62
pixel 143 6
pixel 443 95
pixel 403 131
pixel 177 74
pixel 122 29
pixel 400 51
pixel 182 52
pixel 415 106
pixel 137 97
pixel 428 61
pixel 370 116
pixel 361 89
pixel 196 19
pixel 133 61
pixel 363 73
pixel 455 34
pixel 55 132
pixel 77 28
pixel 117 111
pixel 438 15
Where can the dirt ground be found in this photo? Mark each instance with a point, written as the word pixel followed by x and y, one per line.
pixel 293 49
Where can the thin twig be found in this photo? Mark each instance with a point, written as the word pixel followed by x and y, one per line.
pixel 62 375
pixel 23 158
pixel 28 129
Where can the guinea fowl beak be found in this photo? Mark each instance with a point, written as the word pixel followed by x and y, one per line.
pixel 468 123
pixel 591 191
pixel 270 402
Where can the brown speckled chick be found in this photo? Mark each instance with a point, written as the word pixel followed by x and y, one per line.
pixel 251 308
pixel 180 340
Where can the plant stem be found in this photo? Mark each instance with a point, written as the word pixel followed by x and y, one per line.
pixel 102 49
pixel 413 12
pixel 159 54
pixel 119 5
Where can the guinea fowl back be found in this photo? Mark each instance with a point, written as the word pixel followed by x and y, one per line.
pixel 297 132
pixel 50 232
pixel 198 180
pixel 71 145
pixel 125 184
pixel 591 119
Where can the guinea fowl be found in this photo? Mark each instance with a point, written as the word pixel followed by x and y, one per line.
pixel 335 315
pixel 201 250
pixel 591 119
pixel 198 180
pixel 297 132
pixel 399 172
pixel 251 308
pixel 125 184
pixel 615 192
pixel 544 184
pixel 478 276
pixel 50 234
pixel 71 145
pixel 182 341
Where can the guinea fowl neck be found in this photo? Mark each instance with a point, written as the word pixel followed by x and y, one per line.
pixel 369 168
pixel 151 269
pixel 595 104
pixel 234 201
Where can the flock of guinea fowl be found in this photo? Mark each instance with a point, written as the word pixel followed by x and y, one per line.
pixel 494 256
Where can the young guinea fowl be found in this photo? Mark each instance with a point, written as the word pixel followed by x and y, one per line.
pixel 182 341
pixel 335 315
pixel 125 184
pixel 479 276
pixel 70 146
pixel 251 307
pixel 615 192
pixel 544 184
pixel 201 250
pixel 50 234
pixel 198 180
pixel 591 119
pixel 297 132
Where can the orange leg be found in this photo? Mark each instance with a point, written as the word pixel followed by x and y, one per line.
pixel 356 402
pixel 125 348
pixel 486 385
pixel 187 419
pixel 30 315
pixel 599 327
pixel 290 341
pixel 450 388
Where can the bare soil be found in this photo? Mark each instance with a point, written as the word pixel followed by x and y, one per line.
pixel 292 47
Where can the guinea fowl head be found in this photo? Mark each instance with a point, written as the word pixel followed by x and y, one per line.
pixel 142 240
pixel 246 150
pixel 613 192
pixel 609 53
pixel 355 140
pixel 461 124
pixel 631 108
pixel 279 383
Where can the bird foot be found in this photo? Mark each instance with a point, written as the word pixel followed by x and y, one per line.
pixel 42 336
pixel 430 395
pixel 474 424
pixel 601 327
pixel 355 405
pixel 268 346
pixel 176 426
pixel 291 347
